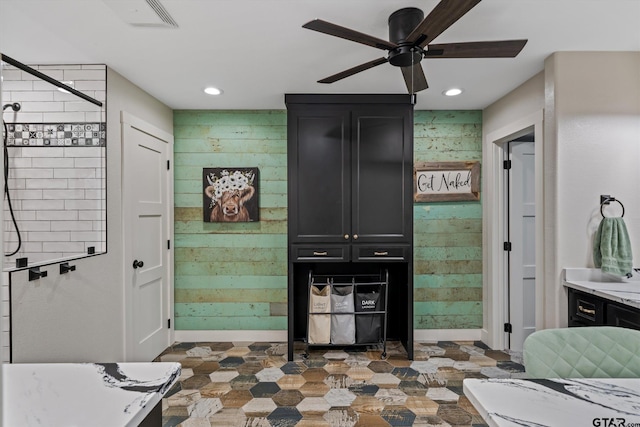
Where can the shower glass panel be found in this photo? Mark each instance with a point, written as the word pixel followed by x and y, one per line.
pixel 55 163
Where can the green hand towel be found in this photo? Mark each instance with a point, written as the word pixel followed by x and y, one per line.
pixel 612 247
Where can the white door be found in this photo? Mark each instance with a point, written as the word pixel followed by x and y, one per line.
pixel 146 186
pixel 522 263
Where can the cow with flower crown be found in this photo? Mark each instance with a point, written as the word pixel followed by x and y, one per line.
pixel 228 193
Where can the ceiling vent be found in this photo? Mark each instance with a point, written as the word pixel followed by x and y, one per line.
pixel 142 13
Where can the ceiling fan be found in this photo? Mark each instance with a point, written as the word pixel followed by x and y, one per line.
pixel 410 38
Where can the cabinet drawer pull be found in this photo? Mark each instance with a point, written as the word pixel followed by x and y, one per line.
pixel 586 310
pixel 385 253
pixel 316 253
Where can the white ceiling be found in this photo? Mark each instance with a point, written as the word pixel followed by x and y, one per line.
pixel 256 50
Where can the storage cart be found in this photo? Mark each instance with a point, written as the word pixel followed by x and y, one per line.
pixel 370 294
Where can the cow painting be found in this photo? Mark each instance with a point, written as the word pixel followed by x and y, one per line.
pixel 230 194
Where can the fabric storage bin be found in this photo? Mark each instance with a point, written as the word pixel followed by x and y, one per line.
pixel 368 326
pixel 319 324
pixel 343 326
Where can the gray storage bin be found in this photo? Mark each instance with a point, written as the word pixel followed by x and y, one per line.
pixel 343 326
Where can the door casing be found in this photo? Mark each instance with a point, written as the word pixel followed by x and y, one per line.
pixel 129 124
pixel 494 230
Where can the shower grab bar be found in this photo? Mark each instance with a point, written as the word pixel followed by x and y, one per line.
pixel 48 79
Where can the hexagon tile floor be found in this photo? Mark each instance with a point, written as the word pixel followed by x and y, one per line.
pixel 252 385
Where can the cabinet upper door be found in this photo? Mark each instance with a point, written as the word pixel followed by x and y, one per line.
pixel 382 168
pixel 319 177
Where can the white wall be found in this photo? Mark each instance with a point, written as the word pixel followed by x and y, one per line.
pixel 592 129
pixel 591 146
pixel 521 102
pixel 79 317
pixel 516 112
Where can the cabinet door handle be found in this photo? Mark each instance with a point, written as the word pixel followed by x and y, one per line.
pixel 355 237
pixel 385 253
pixel 315 253
pixel 346 236
pixel 586 310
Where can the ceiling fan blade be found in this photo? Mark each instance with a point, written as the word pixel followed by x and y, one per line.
pixel 349 34
pixel 493 49
pixel 354 70
pixel 414 78
pixel 439 19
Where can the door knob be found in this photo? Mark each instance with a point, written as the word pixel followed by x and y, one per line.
pixel 137 264
pixel 346 236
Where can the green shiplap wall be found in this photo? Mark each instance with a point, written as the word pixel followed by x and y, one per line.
pixel 230 276
pixel 447 270
pixel 233 276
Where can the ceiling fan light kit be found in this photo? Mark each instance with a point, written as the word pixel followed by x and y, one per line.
pixel 401 23
pixel 410 35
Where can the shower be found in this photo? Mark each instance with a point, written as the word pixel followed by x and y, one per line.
pixel 55 155
pixel 15 107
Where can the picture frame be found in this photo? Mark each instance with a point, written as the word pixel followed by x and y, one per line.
pixel 230 194
pixel 446 181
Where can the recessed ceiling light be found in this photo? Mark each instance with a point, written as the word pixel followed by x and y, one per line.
pixel 452 92
pixel 212 91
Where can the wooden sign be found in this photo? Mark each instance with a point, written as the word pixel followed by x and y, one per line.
pixel 446 181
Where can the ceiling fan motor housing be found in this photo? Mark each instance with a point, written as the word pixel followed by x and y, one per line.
pixel 401 23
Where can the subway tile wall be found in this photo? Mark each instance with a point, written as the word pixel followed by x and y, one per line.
pixel 58 199
pixel 56 146
pixel 57 177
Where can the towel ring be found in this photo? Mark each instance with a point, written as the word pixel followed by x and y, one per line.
pixel 606 202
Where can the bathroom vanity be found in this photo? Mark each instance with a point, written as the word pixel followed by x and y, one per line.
pixel 86 394
pixel 597 298
pixel 512 402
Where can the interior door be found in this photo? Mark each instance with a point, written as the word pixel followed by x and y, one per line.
pixel 146 186
pixel 522 263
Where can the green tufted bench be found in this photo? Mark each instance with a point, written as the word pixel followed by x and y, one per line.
pixel 585 352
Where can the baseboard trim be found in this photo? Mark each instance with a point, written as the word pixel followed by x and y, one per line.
pixel 231 336
pixel 447 335
pixel 281 336
pixel 484 337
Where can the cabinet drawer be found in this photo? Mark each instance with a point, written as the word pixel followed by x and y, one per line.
pixel 320 253
pixel 586 309
pixel 381 253
pixel 624 317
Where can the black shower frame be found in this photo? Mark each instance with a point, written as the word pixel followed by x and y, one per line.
pixel 48 79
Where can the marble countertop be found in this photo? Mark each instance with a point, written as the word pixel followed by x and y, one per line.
pixel 84 394
pixel 556 402
pixel 593 281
